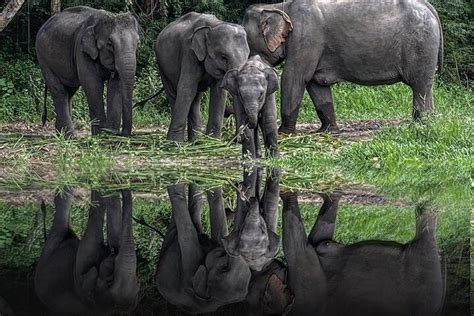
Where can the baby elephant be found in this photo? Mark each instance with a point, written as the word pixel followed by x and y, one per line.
pixel 253 90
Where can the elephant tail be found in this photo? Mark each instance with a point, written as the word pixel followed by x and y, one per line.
pixel 44 116
pixel 143 102
pixel 441 37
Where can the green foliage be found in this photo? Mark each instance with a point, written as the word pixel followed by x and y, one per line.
pixel 456 18
pixel 21 89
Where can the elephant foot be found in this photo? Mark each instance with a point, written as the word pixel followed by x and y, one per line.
pixel 284 130
pixel 68 132
pixel 174 137
pixel 331 129
pixel 126 133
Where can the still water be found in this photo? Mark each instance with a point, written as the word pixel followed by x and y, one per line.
pixel 248 248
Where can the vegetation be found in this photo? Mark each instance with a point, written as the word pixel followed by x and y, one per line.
pixel 379 149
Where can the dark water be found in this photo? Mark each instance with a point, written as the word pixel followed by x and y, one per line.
pixel 251 248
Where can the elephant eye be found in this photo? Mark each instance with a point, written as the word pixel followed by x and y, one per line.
pixel 109 44
pixel 224 58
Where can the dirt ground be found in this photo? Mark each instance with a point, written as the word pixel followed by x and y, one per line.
pixel 361 195
pixel 352 130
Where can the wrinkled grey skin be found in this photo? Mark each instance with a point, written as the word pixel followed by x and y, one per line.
pixel 254 236
pixel 86 47
pixel 86 276
pixel 194 53
pixel 364 42
pixel 365 278
pixel 253 90
pixel 194 272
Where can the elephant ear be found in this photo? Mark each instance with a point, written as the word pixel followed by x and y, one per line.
pixel 275 26
pixel 89 43
pixel 272 80
pixel 277 298
pixel 199 42
pixel 200 283
pixel 273 245
pixel 231 244
pixel 229 82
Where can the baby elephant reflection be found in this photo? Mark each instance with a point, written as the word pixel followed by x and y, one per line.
pixel 365 278
pixel 88 276
pixel 194 272
pixel 254 234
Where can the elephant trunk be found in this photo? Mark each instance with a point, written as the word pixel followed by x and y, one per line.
pixel 252 114
pixel 126 67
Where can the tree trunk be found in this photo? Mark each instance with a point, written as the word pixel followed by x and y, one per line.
pixel 55 6
pixel 9 11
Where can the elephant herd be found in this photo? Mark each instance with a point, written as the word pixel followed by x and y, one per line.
pixel 319 42
pixel 236 266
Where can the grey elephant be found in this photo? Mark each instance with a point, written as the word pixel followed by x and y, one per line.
pixel 86 47
pixel 365 278
pixel 194 271
pixel 194 53
pixel 254 236
pixel 364 42
pixel 253 90
pixel 86 276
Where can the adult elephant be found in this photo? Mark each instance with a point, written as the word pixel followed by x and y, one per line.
pixel 85 47
pixel 368 43
pixel 86 276
pixel 194 271
pixel 194 53
pixel 365 278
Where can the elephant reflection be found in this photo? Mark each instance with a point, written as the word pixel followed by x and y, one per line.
pixel 365 278
pixel 88 276
pixel 254 234
pixel 194 271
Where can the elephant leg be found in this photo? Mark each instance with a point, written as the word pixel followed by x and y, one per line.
pixel 94 90
pixel 113 207
pixel 216 111
pixel 90 250
pixel 114 105
pixel 218 218
pixel 195 207
pixel 325 224
pixel 322 100
pixel 186 93
pixel 292 91
pixel 187 235
pixel 294 235
pixel 270 128
pixel 271 198
pixel 194 117
pixel 422 99
pixel 61 99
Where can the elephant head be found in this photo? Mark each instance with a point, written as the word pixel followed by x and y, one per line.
pixel 223 279
pixel 84 276
pixel 254 241
pixel 267 30
pixel 251 85
pixel 112 40
pixel 107 275
pixel 254 235
pixel 221 48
